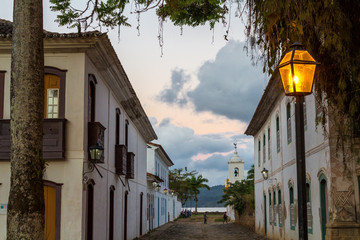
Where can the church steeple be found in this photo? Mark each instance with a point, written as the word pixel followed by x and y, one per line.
pixel 235 166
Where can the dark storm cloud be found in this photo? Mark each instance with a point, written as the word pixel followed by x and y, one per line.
pixel 172 95
pixel 230 85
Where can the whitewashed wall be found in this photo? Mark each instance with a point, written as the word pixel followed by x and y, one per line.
pixel 282 167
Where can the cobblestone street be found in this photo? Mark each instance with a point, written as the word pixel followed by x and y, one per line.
pixel 194 228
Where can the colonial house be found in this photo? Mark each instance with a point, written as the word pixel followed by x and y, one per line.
pixel 88 102
pixel 332 172
pixel 162 202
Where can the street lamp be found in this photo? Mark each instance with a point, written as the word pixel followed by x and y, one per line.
pixel 297 70
pixel 265 173
pixel 96 152
pixel 158 187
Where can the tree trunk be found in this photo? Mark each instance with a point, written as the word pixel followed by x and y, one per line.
pixel 25 219
pixel 195 203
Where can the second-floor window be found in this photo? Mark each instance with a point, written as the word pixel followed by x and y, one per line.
pixel 269 144
pixel 117 127
pixel 288 121
pixel 264 150
pixel 277 134
pixel 127 133
pixel 259 153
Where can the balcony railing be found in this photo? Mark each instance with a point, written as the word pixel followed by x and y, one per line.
pixel 53 139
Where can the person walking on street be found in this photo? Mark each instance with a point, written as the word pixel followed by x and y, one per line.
pixel 225 217
pixel 205 218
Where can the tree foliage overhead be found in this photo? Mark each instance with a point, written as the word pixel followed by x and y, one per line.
pixel 329 31
pixel 327 28
pixel 109 13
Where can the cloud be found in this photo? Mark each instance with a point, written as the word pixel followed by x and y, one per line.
pixel 184 146
pixel 230 85
pixel 172 95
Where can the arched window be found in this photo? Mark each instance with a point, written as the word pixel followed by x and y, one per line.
pixel 269 144
pixel 259 153
pixel 264 148
pixel 90 210
pixel 117 127
pixel 292 208
pixel 305 116
pixel 111 213
pixel 277 134
pixel 270 209
pixel 274 208
pixel 323 205
pixel 236 172
pixel 92 97
pixel 127 133
pixel 280 207
pixel 308 207
pixel 288 121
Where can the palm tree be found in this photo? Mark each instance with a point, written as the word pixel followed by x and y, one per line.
pixel 195 184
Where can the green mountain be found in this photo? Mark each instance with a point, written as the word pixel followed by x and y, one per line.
pixel 208 198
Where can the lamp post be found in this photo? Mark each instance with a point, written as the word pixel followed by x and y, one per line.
pixel 297 70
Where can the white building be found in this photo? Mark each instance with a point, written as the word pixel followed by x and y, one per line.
pixel 88 100
pixel 332 179
pixel 236 173
pixel 162 203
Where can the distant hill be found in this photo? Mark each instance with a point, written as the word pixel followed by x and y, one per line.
pixel 208 198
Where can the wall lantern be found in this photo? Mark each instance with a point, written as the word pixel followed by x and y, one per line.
pixel 165 191
pixel 265 174
pixel 157 188
pixel 297 70
pixel 154 183
pixel 96 152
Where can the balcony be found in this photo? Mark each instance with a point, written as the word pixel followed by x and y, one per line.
pixel 96 133
pixel 53 139
pixel 120 159
pixel 130 165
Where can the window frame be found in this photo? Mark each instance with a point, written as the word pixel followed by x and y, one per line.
pixel 62 75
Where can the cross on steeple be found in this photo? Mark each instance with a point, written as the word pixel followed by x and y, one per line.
pixel 235 146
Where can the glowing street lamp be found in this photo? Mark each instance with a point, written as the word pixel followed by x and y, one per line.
pixel 297 71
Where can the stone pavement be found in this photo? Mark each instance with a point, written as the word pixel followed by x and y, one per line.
pixel 194 228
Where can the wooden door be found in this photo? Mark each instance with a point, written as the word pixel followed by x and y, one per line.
pixel 50 212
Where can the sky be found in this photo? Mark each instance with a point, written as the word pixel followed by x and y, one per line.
pixel 199 91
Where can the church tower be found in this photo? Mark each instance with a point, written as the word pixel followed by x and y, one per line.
pixel 236 173
pixel 236 167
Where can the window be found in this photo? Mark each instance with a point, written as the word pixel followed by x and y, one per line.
pixel 117 127
pixel 125 213
pixel 270 209
pixel 292 208
pixel 277 134
pixel 126 133
pixel 280 208
pixel 308 207
pixel 236 172
pixel 305 116
pixel 2 83
pixel 92 95
pixel 288 120
pixel 264 149
pixel 269 143
pixel 259 153
pixel 90 210
pixel 111 213
pixel 274 208
pixel 54 92
pixel 141 212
